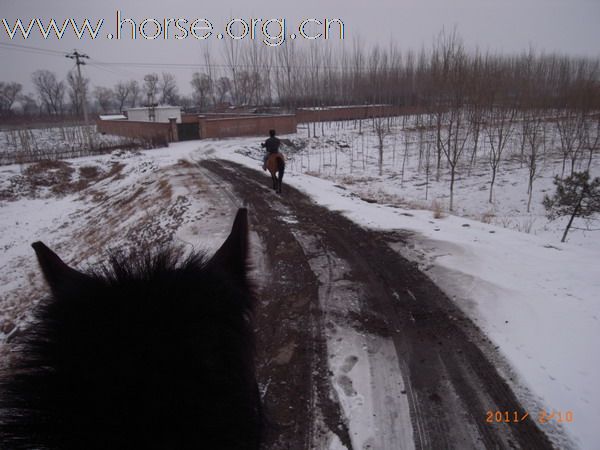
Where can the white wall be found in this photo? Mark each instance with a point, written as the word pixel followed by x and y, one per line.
pixel 162 114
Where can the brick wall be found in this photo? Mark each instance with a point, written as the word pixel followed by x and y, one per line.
pixel 189 118
pixel 246 126
pixel 231 124
pixel 142 130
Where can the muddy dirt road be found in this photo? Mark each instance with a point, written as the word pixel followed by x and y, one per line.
pixel 357 348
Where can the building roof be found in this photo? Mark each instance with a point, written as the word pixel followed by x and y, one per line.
pixel 112 117
pixel 145 108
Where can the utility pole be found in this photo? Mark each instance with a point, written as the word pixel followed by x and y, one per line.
pixel 78 62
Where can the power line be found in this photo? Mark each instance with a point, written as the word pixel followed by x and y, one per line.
pixel 30 49
pixel 114 71
pixel 159 65
pixel 142 65
pixel 229 66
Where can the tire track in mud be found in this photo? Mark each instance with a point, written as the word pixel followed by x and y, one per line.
pixel 447 381
pixel 291 354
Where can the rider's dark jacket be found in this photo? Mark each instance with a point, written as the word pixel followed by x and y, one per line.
pixel 272 145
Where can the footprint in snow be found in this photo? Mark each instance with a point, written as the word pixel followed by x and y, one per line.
pixel 349 363
pixel 346 384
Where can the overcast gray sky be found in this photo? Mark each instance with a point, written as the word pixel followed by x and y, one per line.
pixel 565 26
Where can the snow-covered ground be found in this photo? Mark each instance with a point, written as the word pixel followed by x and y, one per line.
pixel 533 296
pixel 130 198
pixel 66 141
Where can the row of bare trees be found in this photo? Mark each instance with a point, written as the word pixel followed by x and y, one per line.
pixel 477 99
pixel 58 97
pixel 445 77
pixel 315 75
pixel 457 141
pixel 528 141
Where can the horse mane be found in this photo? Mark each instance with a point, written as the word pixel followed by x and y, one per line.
pixel 153 351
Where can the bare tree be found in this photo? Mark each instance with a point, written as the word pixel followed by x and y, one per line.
pixel 381 131
pixel 452 80
pixel 77 91
pixel 591 137
pixel 50 90
pixel 534 136
pixel 447 61
pixel 223 89
pixel 134 93
pixel 105 98
pixel 202 88
pixel 475 116
pixel 151 88
pixel 232 60
pixel 256 59
pixel 453 146
pixel 122 91
pixel 428 148
pixel 186 102
pixel 168 89
pixel 29 105
pixel 570 125
pixel 244 87
pixel 498 131
pixel 210 73
pixel 286 77
pixel 9 93
pixel 502 112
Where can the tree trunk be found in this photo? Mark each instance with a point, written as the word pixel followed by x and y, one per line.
pixel 530 188
pixel 575 212
pixel 492 184
pixel 452 172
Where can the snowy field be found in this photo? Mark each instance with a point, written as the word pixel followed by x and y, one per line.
pixel 535 297
pixel 25 144
pixel 349 158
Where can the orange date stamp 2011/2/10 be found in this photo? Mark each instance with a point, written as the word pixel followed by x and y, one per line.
pixel 520 416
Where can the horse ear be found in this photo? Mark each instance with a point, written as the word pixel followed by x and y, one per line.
pixel 233 254
pixel 54 269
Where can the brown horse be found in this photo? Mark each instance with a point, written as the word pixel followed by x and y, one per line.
pixel 276 166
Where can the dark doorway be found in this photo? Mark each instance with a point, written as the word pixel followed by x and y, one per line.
pixel 188 131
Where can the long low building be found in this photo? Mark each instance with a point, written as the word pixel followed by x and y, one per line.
pixel 168 124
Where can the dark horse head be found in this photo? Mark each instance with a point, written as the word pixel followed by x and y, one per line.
pixel 150 353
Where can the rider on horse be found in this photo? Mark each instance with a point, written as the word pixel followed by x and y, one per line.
pixel 272 145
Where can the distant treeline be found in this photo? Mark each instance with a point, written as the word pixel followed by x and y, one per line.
pixel 445 75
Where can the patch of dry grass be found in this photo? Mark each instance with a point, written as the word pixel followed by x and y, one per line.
pixel 131 198
pixel 165 189
pixel 116 171
pixel 90 172
pixel 48 173
pixel 58 177
pixel 487 217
